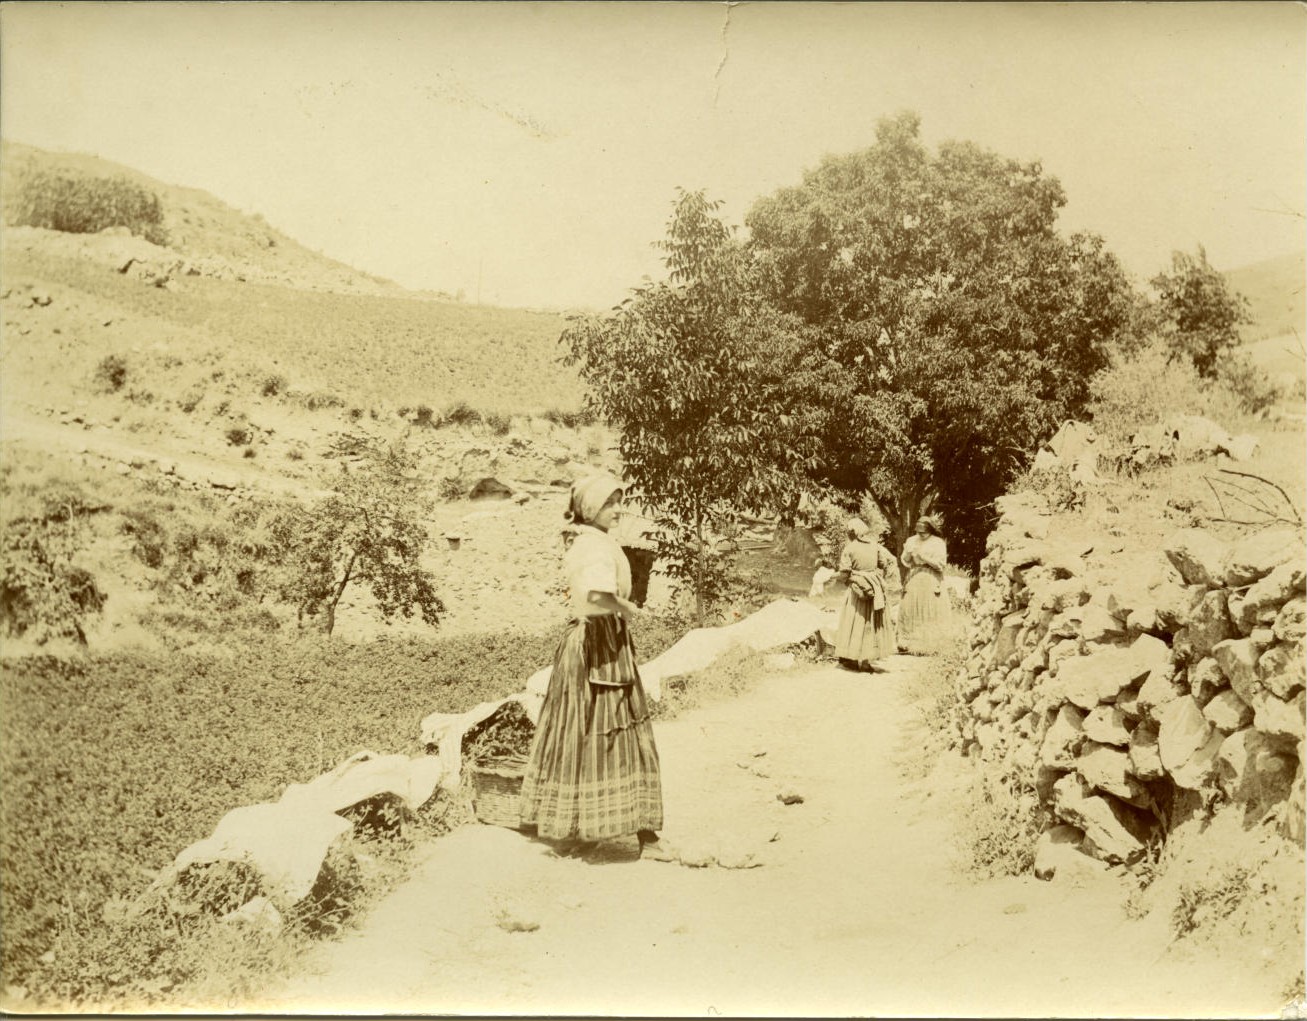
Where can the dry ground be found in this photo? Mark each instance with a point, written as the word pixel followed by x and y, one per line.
pixel 855 907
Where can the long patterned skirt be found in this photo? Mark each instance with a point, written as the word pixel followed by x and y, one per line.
pixel 864 634
pixel 593 770
pixel 924 615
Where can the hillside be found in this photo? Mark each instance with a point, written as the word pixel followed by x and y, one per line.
pixel 1274 289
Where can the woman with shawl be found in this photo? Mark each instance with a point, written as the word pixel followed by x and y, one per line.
pixel 593 769
pixel 865 631
pixel 925 609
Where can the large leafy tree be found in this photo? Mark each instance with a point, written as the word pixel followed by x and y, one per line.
pixel 1198 312
pixel 947 326
pixel 689 370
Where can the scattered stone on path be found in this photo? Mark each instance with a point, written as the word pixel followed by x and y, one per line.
pixel 789 797
pixel 513 918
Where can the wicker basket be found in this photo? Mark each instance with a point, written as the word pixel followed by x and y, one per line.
pixel 496 786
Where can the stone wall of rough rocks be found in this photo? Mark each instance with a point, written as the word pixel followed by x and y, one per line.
pixel 1129 702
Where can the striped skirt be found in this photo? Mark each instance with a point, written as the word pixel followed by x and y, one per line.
pixel 593 769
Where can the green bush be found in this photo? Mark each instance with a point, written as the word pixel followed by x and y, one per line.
pixel 44 593
pixel 1252 387
pixel 68 201
pixel 273 385
pixel 1137 391
pixel 569 419
pixel 111 374
pixel 499 423
pixel 460 413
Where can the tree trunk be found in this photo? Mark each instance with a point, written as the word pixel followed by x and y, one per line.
pixel 698 567
pixel 340 591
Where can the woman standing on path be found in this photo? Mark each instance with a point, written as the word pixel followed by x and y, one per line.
pixel 925 611
pixel 865 632
pixel 593 769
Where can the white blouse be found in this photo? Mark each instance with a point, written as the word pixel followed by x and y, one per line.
pixel 595 563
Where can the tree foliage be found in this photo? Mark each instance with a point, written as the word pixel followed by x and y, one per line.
pixel 1199 312
pixel 690 371
pixel 947 326
pixel 369 532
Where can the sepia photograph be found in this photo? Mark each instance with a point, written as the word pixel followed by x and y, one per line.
pixel 653 509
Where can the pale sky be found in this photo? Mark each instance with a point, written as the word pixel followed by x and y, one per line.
pixel 529 153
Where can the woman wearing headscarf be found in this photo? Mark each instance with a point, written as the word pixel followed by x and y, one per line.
pixel 593 769
pixel 925 609
pixel 865 631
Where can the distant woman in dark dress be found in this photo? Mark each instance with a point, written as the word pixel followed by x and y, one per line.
pixel 866 631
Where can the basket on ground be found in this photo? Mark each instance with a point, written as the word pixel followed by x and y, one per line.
pixel 496 790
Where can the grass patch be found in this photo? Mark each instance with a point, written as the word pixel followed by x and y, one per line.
pixel 113 763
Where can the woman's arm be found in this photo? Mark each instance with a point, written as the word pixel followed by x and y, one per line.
pixel 610 603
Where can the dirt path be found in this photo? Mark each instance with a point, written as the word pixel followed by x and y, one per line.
pixel 854 909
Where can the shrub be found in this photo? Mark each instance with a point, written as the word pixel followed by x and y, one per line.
pixel 1001 825
pixel 1138 391
pixel 273 385
pixel 44 593
pixel 68 201
pixel 570 419
pixel 1252 387
pixel 190 400
pixel 460 413
pixel 239 436
pixel 499 423
pixel 111 374
pixel 423 416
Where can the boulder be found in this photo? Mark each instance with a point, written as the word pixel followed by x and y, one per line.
pixel 1200 771
pixel 1291 622
pixel 1106 724
pixel 1182 730
pixel 1208 623
pixel 1162 685
pixel 1278 717
pixel 1143 618
pixel 1227 712
pixel 1262 601
pixel 1098 624
pixel 1005 642
pixel 1197 554
pixel 1252 768
pixel 1237 659
pixel 1253 557
pixel 1058 854
pixel 1108 769
pixel 1113 831
pixel 1282 669
pixel 1063 739
pixel 1145 759
pixel 1172 599
pixel 1206 679
pixel 1105 673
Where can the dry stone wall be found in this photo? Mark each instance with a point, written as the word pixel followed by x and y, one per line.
pixel 1127 705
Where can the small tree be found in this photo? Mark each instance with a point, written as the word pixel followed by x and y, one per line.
pixel 370 532
pixel 1199 313
pixel 690 371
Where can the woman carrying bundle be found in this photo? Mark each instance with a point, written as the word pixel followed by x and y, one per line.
pixel 866 630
